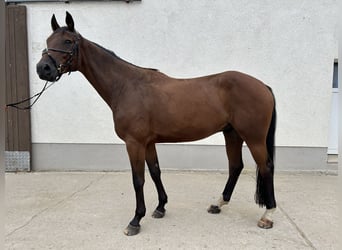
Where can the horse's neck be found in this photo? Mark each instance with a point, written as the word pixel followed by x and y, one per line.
pixel 106 72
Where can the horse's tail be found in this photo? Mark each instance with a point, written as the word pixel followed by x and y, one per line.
pixel 261 190
pixel 271 133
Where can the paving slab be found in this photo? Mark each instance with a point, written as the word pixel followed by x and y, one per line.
pixel 77 210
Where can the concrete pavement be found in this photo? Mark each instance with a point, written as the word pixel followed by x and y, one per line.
pixel 77 210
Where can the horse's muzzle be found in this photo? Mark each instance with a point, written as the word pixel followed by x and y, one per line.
pixel 47 71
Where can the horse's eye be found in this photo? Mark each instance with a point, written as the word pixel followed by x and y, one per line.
pixel 67 42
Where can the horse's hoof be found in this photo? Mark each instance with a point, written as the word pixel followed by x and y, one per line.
pixel 213 209
pixel 131 230
pixel 265 223
pixel 157 214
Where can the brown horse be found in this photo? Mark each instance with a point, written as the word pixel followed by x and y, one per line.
pixel 150 107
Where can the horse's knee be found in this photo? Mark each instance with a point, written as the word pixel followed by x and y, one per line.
pixel 138 182
pixel 235 169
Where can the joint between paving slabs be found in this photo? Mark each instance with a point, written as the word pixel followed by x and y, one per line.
pixel 55 205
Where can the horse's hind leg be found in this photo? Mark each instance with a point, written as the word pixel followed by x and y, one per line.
pixel 153 166
pixel 264 194
pixel 233 148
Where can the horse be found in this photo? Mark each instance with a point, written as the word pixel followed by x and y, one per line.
pixel 150 107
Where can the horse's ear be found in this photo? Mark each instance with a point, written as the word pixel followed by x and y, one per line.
pixel 54 24
pixel 69 22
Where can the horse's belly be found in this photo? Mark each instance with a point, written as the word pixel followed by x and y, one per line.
pixel 189 130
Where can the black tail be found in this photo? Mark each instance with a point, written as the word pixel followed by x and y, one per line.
pixel 271 133
pixel 262 191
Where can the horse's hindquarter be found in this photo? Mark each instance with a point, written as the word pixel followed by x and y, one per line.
pixel 251 103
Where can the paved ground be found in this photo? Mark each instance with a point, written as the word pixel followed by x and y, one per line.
pixel 90 211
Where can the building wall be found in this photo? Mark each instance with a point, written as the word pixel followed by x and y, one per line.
pixel 290 45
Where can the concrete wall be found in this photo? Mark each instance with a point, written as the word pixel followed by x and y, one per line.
pixel 290 45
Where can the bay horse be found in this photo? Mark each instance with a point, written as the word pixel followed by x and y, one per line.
pixel 150 107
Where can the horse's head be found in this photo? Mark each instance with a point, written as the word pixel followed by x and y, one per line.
pixel 61 53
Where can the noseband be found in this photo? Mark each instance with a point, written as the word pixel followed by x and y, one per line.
pixel 62 66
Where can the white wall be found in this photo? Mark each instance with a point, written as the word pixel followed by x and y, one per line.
pixel 290 45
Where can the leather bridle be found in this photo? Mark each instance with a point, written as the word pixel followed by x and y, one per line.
pixel 63 67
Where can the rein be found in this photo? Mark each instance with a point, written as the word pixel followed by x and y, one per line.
pixel 16 104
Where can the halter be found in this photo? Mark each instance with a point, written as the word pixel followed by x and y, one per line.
pixel 60 68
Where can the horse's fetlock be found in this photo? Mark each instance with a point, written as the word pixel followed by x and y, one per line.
pixel 140 212
pixel 164 199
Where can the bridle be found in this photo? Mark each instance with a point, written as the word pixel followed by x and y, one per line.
pixel 63 67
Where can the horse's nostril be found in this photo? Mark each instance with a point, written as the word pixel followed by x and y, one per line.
pixel 45 71
pixel 47 68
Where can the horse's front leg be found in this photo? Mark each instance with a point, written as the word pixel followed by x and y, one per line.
pixel 136 153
